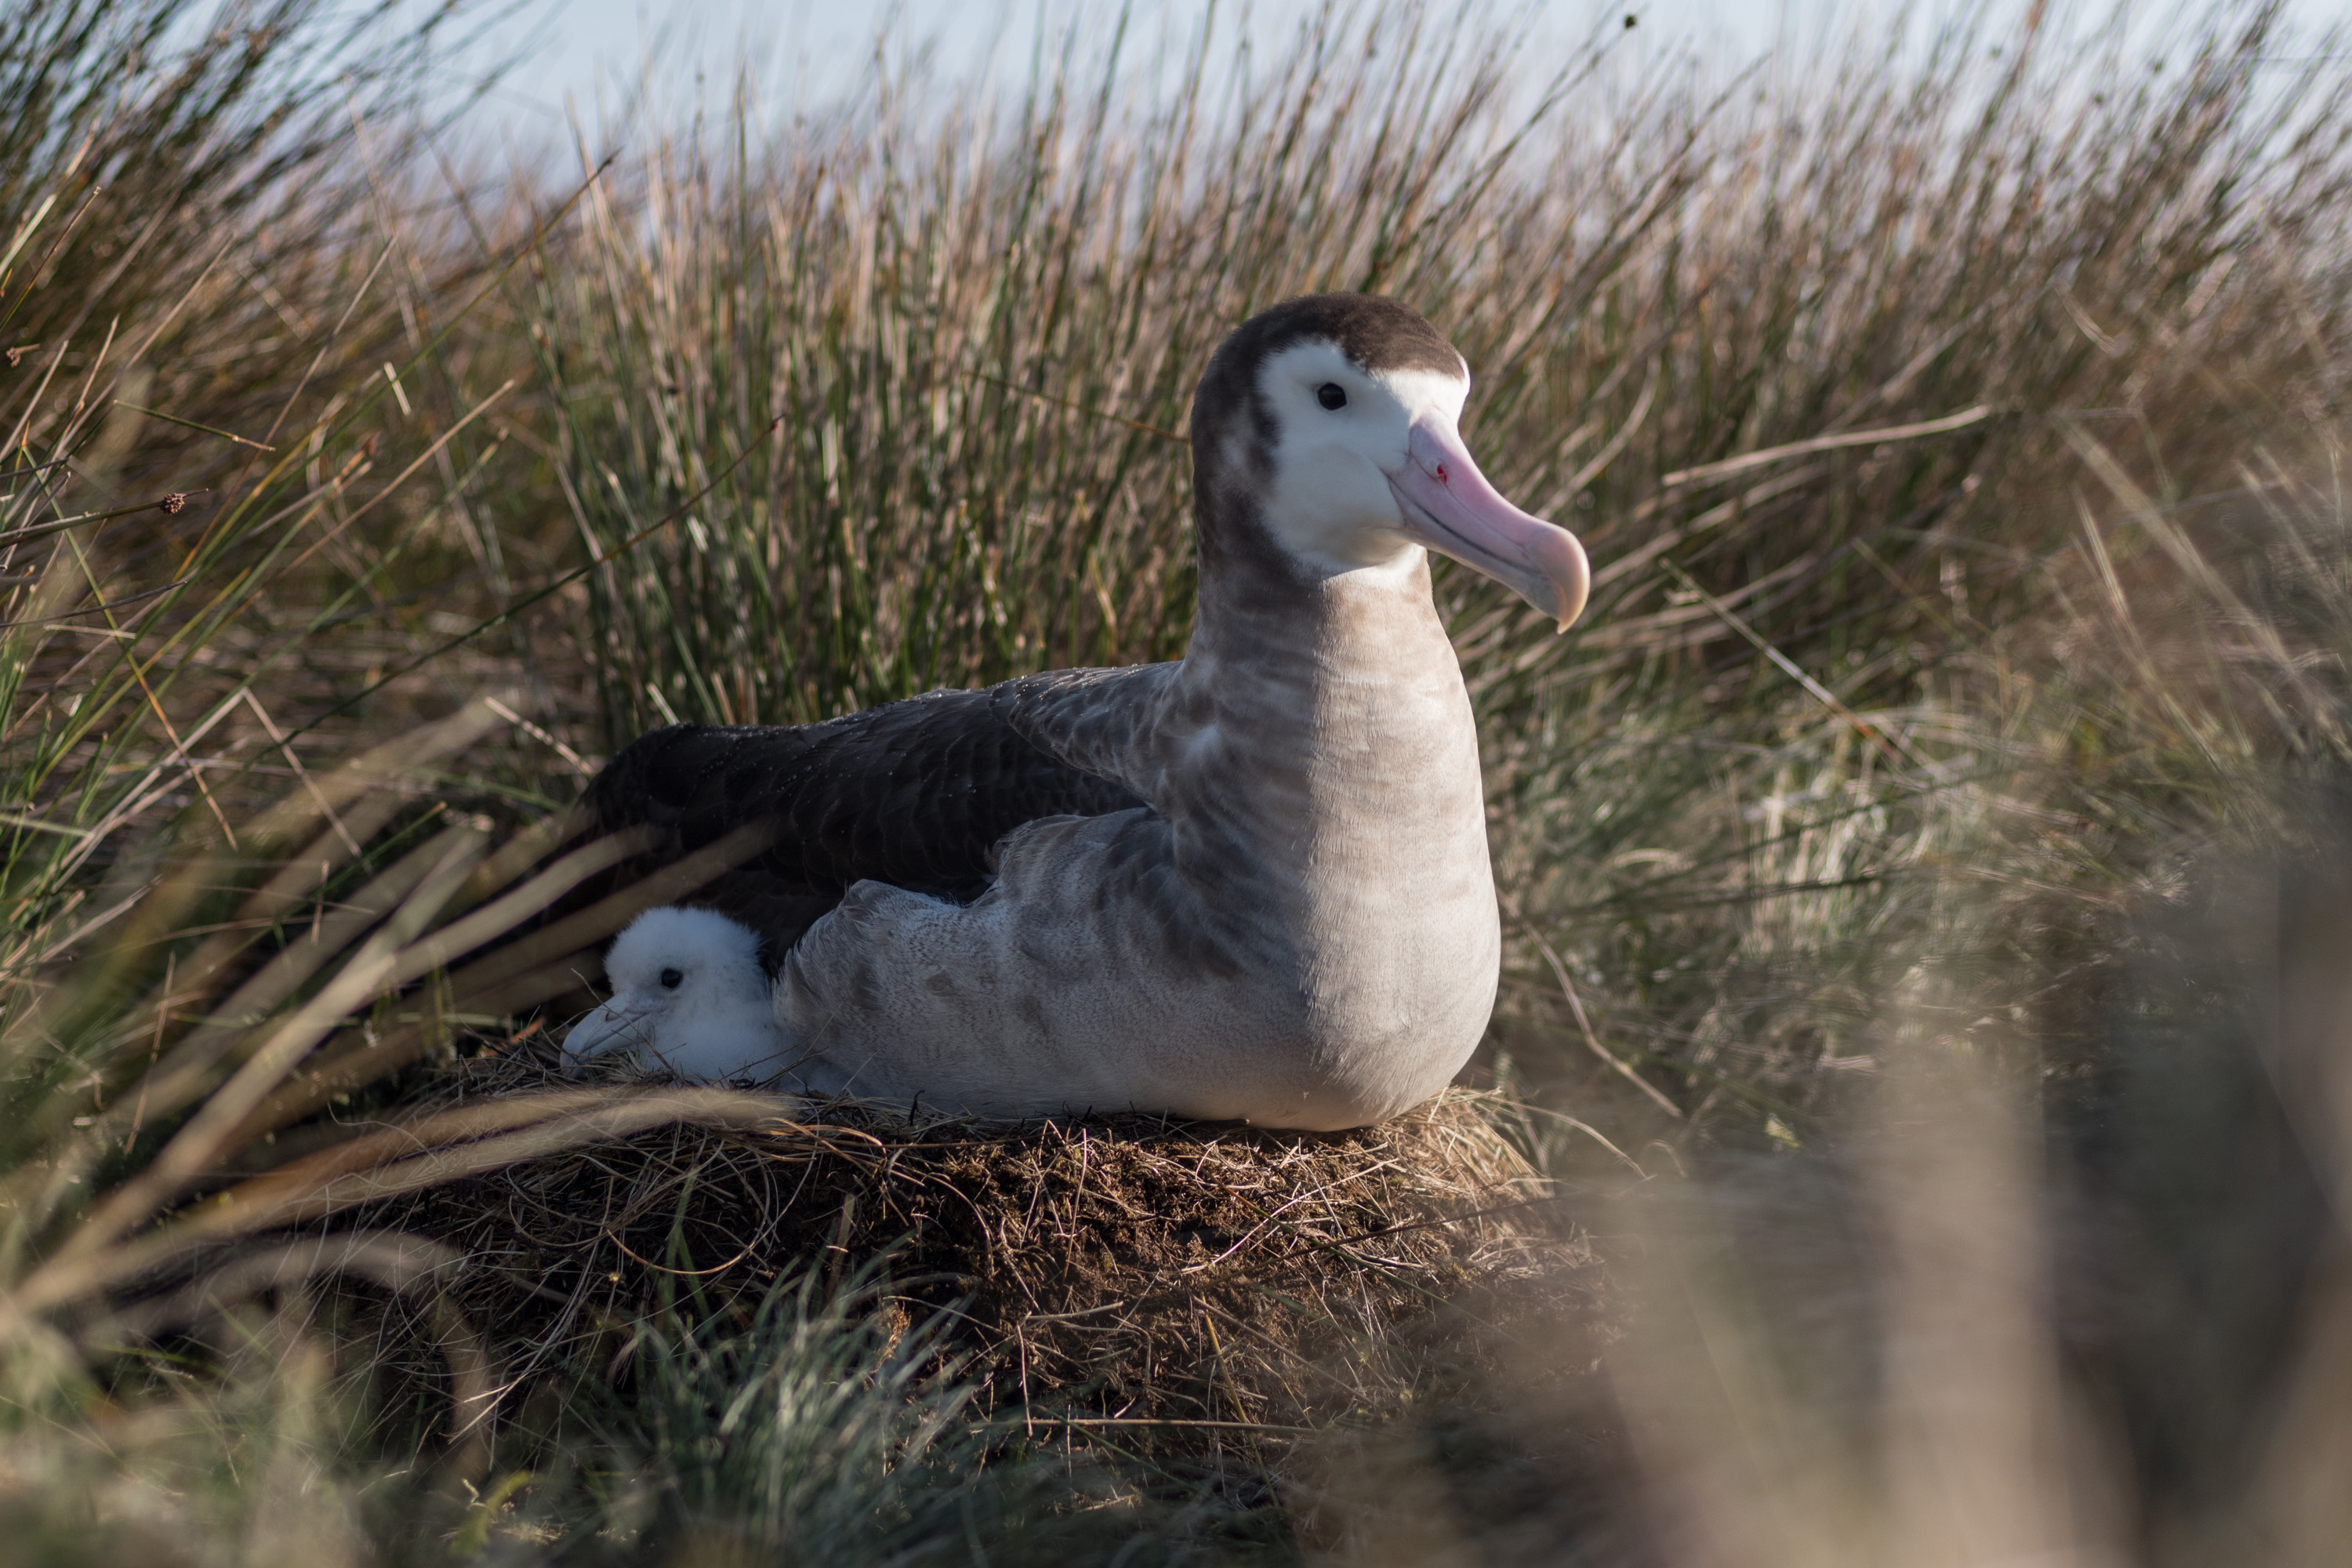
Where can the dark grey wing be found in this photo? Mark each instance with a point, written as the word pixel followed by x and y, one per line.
pixel 916 794
pixel 1113 723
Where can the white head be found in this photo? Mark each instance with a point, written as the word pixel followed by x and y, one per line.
pixel 1343 411
pixel 688 995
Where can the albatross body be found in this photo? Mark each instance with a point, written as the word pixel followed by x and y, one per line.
pixel 1251 885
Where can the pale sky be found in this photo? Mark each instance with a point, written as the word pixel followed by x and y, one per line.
pixel 801 51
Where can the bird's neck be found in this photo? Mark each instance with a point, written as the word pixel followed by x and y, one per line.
pixel 1333 700
pixel 1326 810
pixel 1311 627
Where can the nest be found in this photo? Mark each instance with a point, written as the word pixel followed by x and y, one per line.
pixel 1136 1271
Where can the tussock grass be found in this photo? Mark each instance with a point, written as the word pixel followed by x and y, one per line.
pixel 1811 372
pixel 1915 863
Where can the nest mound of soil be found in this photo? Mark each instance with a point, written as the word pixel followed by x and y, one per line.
pixel 1132 1269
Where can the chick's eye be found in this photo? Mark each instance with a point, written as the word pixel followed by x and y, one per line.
pixel 671 979
pixel 1331 395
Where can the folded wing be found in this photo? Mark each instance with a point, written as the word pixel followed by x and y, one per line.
pixel 916 794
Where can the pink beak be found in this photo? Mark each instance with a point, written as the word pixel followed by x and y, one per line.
pixel 1449 505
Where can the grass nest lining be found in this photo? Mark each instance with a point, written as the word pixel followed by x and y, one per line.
pixel 1138 1270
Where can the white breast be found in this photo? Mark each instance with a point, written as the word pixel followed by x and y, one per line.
pixel 1303 932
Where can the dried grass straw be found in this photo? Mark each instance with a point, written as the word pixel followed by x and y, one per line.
pixel 1181 1279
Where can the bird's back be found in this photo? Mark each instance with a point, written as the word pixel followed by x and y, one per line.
pixel 915 793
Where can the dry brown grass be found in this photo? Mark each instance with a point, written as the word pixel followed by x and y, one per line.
pixel 1187 1281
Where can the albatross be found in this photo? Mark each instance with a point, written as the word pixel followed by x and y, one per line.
pixel 1249 885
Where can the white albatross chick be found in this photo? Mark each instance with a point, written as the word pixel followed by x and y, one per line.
pixel 688 995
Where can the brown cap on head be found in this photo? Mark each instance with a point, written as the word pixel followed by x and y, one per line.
pixel 1378 333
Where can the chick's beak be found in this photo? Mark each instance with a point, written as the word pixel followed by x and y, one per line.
pixel 615 1026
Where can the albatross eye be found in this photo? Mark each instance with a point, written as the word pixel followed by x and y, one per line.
pixel 1331 395
pixel 671 979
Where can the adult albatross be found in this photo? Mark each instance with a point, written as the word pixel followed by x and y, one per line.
pixel 1249 885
